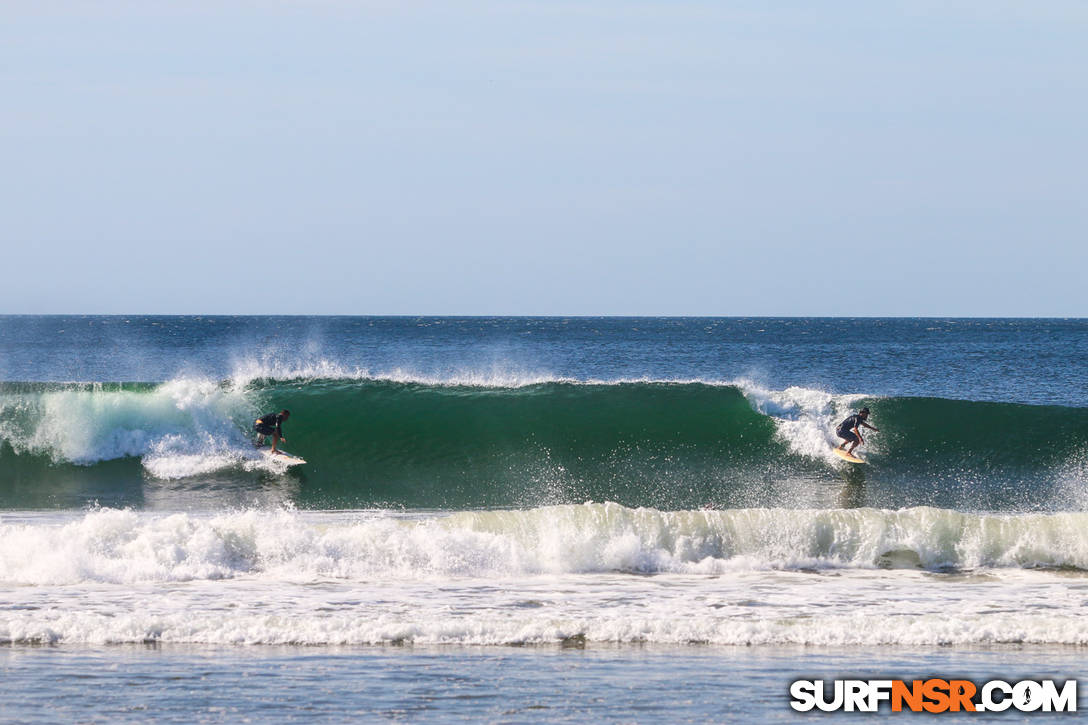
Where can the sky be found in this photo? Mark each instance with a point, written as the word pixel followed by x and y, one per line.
pixel 539 158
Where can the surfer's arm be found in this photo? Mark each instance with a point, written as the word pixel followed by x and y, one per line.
pixel 871 427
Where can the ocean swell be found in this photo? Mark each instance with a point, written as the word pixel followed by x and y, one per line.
pixel 665 444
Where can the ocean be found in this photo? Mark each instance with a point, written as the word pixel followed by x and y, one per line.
pixel 531 519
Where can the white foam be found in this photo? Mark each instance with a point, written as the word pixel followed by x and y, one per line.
pixel 126 547
pixel 180 428
pixel 84 426
pixel 753 576
pixel 426 626
pixel 805 417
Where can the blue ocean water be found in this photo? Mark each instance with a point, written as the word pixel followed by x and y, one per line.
pixel 642 512
pixel 1035 361
pixel 186 683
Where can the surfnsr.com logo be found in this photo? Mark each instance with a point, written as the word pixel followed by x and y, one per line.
pixel 934 695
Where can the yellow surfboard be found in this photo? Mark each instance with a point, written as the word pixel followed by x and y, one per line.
pixel 846 456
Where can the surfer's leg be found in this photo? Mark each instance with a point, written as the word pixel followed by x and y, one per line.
pixel 262 432
pixel 848 437
pixel 275 441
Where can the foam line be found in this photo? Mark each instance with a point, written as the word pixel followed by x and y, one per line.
pixel 126 547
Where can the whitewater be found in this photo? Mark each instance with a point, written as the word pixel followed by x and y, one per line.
pixel 594 573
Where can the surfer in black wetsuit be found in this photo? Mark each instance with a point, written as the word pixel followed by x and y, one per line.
pixel 849 430
pixel 269 425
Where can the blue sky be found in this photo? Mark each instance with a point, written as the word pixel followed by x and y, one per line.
pixel 718 158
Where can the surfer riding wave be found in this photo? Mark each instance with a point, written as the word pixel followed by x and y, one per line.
pixel 271 424
pixel 850 430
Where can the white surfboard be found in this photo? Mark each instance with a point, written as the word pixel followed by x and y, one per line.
pixel 281 457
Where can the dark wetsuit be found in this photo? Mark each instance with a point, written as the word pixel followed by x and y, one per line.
pixel 846 428
pixel 268 424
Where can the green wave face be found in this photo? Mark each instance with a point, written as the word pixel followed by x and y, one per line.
pixel 669 446
pixel 986 436
pixel 436 446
